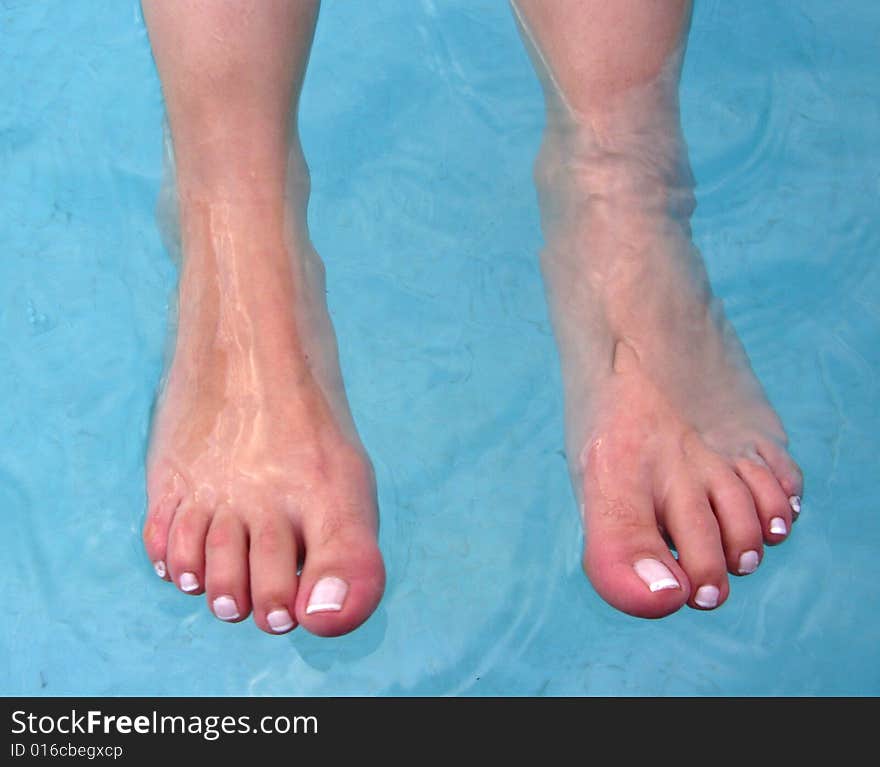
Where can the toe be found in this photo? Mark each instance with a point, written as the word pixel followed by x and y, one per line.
pixel 741 531
pixel 273 573
pixel 186 547
pixel 788 474
pixel 625 557
pixel 771 502
pixel 689 521
pixel 226 567
pixel 687 517
pixel 161 507
pixel 343 576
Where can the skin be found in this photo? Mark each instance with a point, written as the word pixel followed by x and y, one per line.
pixel 255 468
pixel 254 464
pixel 669 434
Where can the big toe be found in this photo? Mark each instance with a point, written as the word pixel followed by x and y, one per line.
pixel 343 577
pixel 626 558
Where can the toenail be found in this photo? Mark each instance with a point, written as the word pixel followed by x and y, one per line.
pixel 777 526
pixel 159 567
pixel 795 503
pixel 655 574
pixel 279 620
pixel 327 595
pixel 188 582
pixel 748 562
pixel 225 608
pixel 707 596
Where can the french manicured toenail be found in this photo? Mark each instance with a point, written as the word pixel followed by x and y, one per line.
pixel 225 608
pixel 778 526
pixel 328 595
pixel 655 574
pixel 188 582
pixel 279 620
pixel 159 567
pixel 707 596
pixel 795 503
pixel 748 562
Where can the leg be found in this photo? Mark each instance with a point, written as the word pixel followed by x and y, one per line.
pixel 254 463
pixel 668 432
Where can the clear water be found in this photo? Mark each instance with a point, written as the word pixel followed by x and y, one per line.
pixel 420 121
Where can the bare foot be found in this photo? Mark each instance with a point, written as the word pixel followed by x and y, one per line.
pixel 669 434
pixel 254 466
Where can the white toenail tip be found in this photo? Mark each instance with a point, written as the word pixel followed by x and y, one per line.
pixel 327 596
pixel 665 583
pixel 655 574
pixel 188 582
pixel 707 596
pixel 748 562
pixel 279 621
pixel 159 567
pixel 795 503
pixel 324 607
pixel 778 526
pixel 225 608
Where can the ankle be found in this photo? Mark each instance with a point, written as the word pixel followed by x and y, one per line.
pixel 245 175
pixel 577 170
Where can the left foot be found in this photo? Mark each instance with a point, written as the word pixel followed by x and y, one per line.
pixel 669 434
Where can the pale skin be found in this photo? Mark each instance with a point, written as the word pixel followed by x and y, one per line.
pixel 254 463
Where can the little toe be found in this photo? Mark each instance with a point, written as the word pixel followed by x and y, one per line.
pixel 160 514
pixel 343 577
pixel 771 503
pixel 273 573
pixel 786 471
pixel 186 548
pixel 226 567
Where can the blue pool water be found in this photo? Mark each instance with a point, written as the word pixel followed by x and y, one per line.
pixel 420 121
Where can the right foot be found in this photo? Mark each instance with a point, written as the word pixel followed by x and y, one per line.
pixel 255 469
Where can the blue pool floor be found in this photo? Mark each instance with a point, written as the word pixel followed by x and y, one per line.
pixel 420 121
